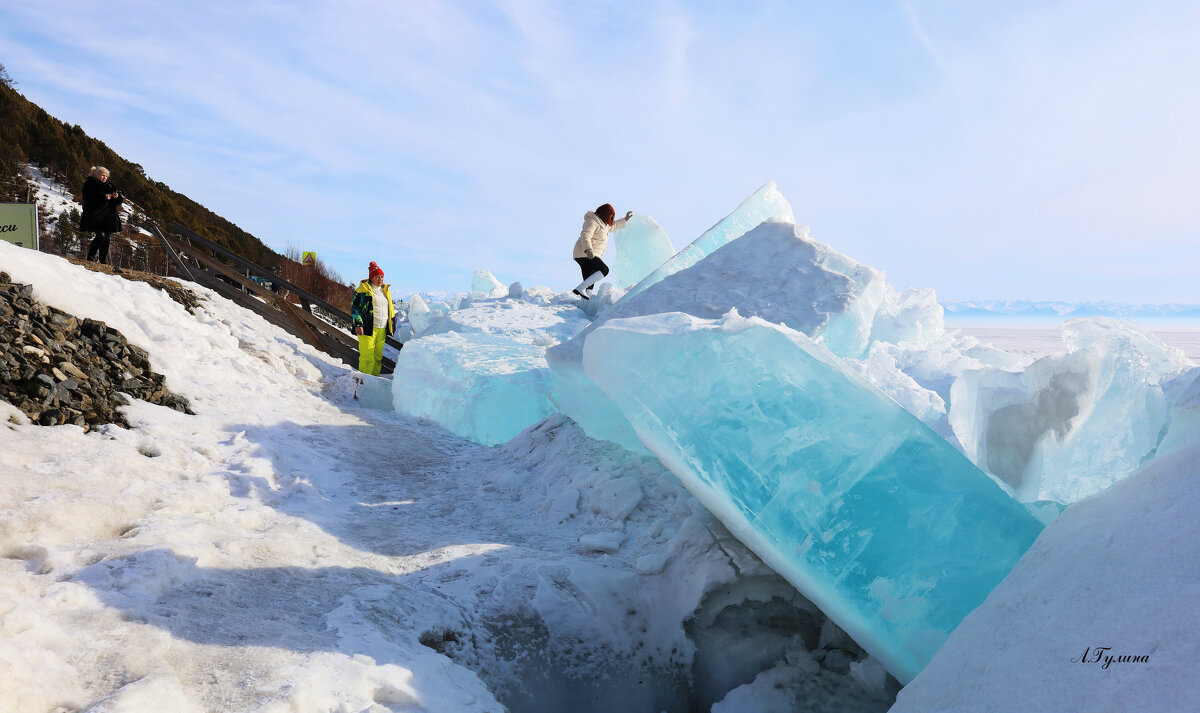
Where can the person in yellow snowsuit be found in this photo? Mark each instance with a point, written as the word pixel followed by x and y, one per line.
pixel 372 314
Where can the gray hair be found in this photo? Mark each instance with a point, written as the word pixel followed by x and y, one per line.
pixel 97 170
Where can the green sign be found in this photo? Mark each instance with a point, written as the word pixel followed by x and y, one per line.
pixel 19 224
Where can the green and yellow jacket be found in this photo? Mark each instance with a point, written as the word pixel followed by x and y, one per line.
pixel 362 310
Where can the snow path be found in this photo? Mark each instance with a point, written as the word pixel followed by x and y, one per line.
pixel 287 549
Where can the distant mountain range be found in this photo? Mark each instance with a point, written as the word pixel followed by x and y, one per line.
pixel 1057 311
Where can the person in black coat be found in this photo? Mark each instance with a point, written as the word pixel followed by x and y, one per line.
pixel 100 214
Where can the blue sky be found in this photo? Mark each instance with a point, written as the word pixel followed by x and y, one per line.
pixel 1017 150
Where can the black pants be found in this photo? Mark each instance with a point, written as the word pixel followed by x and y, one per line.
pixel 590 265
pixel 98 249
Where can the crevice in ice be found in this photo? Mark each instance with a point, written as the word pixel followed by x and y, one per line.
pixel 756 631
pixel 531 668
pixel 717 543
pixel 1162 436
pixel 440 639
pixel 760 632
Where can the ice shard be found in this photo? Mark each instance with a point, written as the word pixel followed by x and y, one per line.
pixel 639 248
pixel 869 513
pixel 483 387
pixel 419 314
pixel 764 204
pixel 485 283
pixel 481 372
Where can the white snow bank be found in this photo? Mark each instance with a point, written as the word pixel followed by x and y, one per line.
pixel 1099 615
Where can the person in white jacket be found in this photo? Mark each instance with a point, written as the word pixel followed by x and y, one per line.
pixel 593 238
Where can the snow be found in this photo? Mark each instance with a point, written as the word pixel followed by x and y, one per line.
pixel 1116 576
pixel 50 195
pixel 298 545
pixel 288 548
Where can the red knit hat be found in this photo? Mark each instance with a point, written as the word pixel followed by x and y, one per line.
pixel 374 270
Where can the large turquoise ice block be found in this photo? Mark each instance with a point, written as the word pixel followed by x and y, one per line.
pixel 868 512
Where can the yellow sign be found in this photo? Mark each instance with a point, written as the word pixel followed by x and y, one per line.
pixel 19 224
pixel 308 259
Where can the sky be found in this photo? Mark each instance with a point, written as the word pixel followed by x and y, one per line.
pixel 1032 150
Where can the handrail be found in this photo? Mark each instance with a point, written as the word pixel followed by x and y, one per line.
pixel 277 280
pixel 261 272
pixel 189 247
pixel 328 329
pixel 179 263
pixel 281 304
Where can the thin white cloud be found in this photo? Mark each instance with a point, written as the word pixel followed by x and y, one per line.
pixel 918 32
pixel 448 133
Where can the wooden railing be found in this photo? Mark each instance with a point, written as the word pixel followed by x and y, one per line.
pixel 202 261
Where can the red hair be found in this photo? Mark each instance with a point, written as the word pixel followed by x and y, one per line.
pixel 606 213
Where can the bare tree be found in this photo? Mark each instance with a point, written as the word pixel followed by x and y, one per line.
pixel 6 79
pixel 318 278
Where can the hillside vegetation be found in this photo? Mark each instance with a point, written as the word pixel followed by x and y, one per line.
pixel 63 151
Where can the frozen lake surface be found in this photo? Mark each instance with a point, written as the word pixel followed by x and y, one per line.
pixel 1038 340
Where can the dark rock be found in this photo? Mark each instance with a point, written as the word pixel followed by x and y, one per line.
pixel 92 328
pixel 88 364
